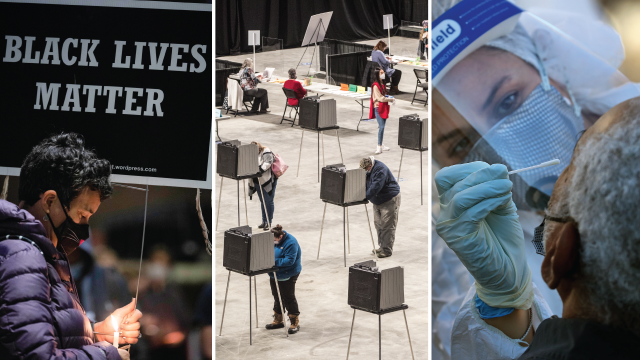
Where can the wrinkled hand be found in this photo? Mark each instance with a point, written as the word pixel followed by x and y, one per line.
pixel 478 221
pixel 124 354
pixel 128 318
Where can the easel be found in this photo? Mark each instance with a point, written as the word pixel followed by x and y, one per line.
pixel 246 212
pixel 345 227
pixel 254 274
pixel 319 130
pixel 400 168
pixel 315 36
pixel 402 307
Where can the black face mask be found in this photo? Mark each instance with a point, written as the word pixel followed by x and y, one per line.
pixel 70 235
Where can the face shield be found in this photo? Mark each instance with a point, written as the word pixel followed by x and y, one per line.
pixel 513 87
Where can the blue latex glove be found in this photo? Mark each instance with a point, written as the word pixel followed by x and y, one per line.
pixel 478 221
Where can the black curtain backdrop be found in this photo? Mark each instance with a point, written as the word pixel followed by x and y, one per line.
pixel 288 20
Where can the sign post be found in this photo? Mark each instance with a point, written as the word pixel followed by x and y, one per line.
pixel 387 21
pixel 254 39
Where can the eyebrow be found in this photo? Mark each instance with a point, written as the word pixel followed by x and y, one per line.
pixel 494 91
pixel 448 136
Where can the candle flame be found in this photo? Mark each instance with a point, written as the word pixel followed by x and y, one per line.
pixel 114 322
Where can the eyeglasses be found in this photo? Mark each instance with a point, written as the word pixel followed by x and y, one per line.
pixel 538 233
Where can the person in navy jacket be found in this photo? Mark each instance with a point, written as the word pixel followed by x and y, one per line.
pixel 384 193
pixel 62 184
pixel 288 259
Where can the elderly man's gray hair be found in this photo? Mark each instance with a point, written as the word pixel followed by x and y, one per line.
pixel 604 199
pixel 292 73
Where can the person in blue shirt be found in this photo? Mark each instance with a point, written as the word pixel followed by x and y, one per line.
pixel 384 193
pixel 288 260
pixel 377 55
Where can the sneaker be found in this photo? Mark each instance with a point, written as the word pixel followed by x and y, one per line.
pixel 379 150
pixel 262 226
pixel 384 148
pixel 382 255
pixel 376 251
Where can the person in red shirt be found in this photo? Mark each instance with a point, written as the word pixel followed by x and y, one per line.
pixel 295 86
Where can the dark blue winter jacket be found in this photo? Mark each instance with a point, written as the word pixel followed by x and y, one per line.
pixel 288 257
pixel 40 313
pixel 381 184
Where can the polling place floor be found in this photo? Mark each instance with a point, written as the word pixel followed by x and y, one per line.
pixel 321 290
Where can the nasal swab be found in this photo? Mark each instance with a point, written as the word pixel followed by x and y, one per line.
pixel 546 163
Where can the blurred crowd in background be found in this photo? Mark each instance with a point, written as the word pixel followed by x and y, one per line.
pixel 175 292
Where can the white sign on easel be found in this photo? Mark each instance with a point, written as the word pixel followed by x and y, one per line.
pixel 316 30
pixel 387 22
pixel 254 39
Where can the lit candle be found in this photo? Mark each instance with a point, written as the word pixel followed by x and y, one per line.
pixel 115 331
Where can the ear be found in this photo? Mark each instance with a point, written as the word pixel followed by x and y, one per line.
pixel 48 199
pixel 561 260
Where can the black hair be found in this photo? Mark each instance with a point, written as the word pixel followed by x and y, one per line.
pixel 62 163
pixel 277 231
pixel 375 78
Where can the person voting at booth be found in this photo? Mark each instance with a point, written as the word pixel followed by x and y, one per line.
pixel 384 193
pixel 268 181
pixel 288 260
pixel 62 184
pixel 294 85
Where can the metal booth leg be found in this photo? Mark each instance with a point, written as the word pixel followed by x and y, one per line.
pixel 275 277
pixel 321 226
pixel 348 238
pixel 250 336
pixel 351 333
pixel 318 156
pixel 255 294
pixel 370 232
pixel 300 154
pixel 225 303
pixel 219 198
pixel 246 212
pixel 238 182
pixel 400 168
pixel 323 163
pixel 421 178
pixel 409 336
pixel 380 336
pixel 339 146
pixel 344 234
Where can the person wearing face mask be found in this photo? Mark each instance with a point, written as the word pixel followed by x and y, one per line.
pixel 589 240
pixel 61 186
pixel 517 99
pixel 377 55
pixel 424 40
pixel 384 193
pixel 379 105
pixel 289 261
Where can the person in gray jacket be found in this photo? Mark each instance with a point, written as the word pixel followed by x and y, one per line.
pixel 268 182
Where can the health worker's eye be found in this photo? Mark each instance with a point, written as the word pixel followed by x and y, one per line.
pixel 506 106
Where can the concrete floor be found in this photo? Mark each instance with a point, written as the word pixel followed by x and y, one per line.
pixel 325 318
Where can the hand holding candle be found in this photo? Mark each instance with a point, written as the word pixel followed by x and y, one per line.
pixel 122 327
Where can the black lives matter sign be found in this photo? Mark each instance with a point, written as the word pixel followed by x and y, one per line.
pixel 134 81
